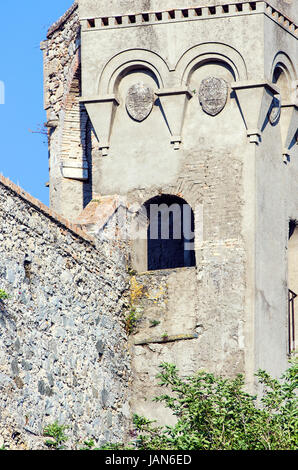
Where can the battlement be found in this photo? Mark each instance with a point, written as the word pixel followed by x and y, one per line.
pixel 192 13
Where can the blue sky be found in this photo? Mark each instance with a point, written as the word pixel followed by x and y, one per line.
pixel 23 154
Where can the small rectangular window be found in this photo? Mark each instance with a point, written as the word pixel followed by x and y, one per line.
pixel 198 11
pixel 91 23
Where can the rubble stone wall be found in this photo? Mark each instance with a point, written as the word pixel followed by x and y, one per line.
pixel 63 347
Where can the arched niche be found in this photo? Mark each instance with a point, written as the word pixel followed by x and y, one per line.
pixel 213 53
pixel 210 68
pixel 131 76
pixel 132 59
pixel 282 79
pixel 167 234
pixel 283 74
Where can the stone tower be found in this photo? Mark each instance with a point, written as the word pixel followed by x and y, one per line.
pixel 193 104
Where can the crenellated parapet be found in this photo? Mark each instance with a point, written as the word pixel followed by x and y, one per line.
pixel 193 13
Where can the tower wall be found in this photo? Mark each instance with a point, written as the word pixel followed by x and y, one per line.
pixel 229 151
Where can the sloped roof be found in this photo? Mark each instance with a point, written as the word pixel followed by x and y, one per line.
pixel 99 211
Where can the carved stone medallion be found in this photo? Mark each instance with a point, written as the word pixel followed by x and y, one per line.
pixel 139 101
pixel 274 113
pixel 213 95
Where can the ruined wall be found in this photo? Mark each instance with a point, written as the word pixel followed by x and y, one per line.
pixel 67 119
pixel 63 347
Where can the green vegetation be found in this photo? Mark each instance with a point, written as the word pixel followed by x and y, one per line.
pixel 131 271
pixel 3 295
pixel 214 413
pixel 89 445
pixel 136 291
pixel 131 321
pixel 154 323
pixel 55 431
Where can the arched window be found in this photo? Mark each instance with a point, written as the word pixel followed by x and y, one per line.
pixel 170 235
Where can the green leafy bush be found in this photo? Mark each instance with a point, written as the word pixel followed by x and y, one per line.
pixel 214 413
pixel 55 431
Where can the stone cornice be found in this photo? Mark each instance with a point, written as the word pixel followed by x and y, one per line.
pixel 191 14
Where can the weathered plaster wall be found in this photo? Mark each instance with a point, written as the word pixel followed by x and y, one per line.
pixel 274 211
pixel 197 328
pixel 211 171
pixel 237 198
pixel 276 204
pixel 63 347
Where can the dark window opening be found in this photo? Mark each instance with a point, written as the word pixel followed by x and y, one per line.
pixel 292 283
pixel 291 321
pixel 198 11
pixel 170 235
pixel 91 23
pixel 292 226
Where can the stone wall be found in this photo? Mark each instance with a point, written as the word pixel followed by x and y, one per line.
pixel 63 348
pixel 67 120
